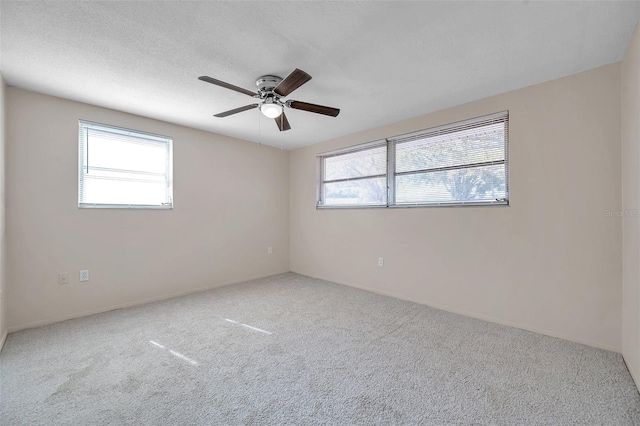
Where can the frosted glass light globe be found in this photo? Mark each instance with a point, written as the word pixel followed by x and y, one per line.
pixel 271 110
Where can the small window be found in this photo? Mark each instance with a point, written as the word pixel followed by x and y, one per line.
pixel 355 178
pixel 464 163
pixel 122 168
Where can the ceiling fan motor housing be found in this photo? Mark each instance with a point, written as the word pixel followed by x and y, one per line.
pixel 267 83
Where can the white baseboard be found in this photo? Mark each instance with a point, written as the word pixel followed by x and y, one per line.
pixel 482 317
pixel 48 321
pixel 3 339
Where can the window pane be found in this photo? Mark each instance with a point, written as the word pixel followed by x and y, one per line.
pixel 118 152
pixel 368 162
pixel 371 191
pixel 109 191
pixel 471 184
pixel 476 145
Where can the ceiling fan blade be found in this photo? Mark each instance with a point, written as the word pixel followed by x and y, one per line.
pixel 294 80
pixel 282 122
pixel 318 109
pixel 237 110
pixel 227 85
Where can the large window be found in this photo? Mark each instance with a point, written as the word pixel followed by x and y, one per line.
pixel 463 163
pixel 122 168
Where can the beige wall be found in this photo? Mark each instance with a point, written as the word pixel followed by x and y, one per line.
pixel 631 206
pixel 231 203
pixel 3 298
pixel 550 262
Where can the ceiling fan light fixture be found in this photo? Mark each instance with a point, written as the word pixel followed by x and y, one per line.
pixel 271 109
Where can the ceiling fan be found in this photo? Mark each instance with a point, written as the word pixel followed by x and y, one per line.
pixel 271 90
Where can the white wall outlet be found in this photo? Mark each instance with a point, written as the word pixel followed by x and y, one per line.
pixel 63 278
pixel 269 250
pixel 84 275
pixel 381 261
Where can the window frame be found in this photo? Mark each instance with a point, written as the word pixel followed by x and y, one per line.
pixel 391 174
pixel 82 157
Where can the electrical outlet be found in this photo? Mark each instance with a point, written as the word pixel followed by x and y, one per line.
pixel 63 278
pixel 381 261
pixel 270 250
pixel 84 275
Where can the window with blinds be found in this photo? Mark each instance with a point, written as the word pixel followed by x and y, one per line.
pixel 122 168
pixel 464 163
pixel 357 177
pixel 458 163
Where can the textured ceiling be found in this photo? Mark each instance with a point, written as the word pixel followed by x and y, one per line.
pixel 380 62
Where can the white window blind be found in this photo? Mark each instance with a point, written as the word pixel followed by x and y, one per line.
pixel 122 168
pixel 464 163
pixel 459 163
pixel 355 178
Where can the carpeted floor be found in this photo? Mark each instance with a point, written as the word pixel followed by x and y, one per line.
pixel 295 350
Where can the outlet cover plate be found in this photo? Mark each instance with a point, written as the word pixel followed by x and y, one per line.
pixel 84 275
pixel 63 278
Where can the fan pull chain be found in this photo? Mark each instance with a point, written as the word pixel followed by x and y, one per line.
pixel 259 130
pixel 281 133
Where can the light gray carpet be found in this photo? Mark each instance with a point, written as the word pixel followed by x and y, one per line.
pixel 294 350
